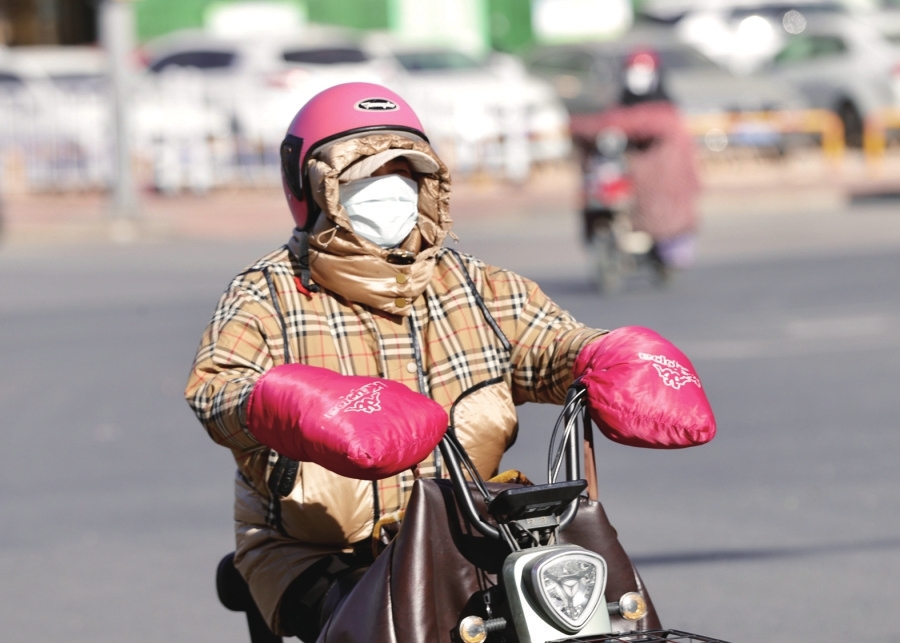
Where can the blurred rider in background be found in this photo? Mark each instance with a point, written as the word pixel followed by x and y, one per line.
pixel 661 157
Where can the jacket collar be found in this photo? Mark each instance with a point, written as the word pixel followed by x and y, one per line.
pixel 355 268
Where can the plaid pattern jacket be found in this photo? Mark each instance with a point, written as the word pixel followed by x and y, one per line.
pixel 520 342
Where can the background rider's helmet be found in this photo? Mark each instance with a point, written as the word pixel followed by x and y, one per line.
pixel 642 77
pixel 340 111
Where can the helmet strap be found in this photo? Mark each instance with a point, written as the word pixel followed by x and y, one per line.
pixel 299 246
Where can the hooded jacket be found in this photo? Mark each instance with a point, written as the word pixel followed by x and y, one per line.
pixel 477 339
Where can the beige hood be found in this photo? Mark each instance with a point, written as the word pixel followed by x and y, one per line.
pixel 360 270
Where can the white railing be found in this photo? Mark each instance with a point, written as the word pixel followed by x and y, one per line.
pixel 184 140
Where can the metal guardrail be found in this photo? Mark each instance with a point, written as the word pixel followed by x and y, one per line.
pixel 51 149
pixel 823 123
pixel 876 128
pixel 186 138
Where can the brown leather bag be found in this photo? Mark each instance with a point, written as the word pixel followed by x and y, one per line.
pixel 439 569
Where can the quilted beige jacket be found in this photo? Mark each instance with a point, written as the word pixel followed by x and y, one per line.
pixel 475 338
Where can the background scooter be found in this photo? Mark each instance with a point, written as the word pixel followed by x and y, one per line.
pixel 616 249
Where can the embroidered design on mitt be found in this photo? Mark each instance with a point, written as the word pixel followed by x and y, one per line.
pixel 365 399
pixel 672 373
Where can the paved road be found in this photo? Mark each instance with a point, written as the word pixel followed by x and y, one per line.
pixel 116 506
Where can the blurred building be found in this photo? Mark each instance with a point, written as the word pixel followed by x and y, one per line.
pixel 48 22
pixel 507 25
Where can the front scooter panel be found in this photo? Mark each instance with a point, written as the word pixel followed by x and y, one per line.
pixel 535 617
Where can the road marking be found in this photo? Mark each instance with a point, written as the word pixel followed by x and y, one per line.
pixel 838 327
pixel 806 337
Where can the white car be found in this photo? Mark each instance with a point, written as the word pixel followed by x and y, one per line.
pixel 743 34
pixel 480 112
pixel 843 64
pixel 587 75
pixel 260 82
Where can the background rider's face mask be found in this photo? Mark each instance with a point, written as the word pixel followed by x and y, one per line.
pixel 382 209
pixel 641 79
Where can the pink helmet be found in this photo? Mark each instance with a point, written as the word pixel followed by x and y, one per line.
pixel 331 114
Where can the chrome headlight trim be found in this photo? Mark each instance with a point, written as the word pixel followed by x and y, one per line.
pixel 568 586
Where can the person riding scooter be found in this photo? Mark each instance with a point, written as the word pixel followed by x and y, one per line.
pixel 331 364
pixel 661 159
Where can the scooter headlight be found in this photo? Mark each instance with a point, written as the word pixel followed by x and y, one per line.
pixel 568 586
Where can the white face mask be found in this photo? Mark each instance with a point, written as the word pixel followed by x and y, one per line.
pixel 640 79
pixel 382 209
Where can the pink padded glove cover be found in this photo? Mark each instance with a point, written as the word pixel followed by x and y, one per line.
pixel 358 427
pixel 643 391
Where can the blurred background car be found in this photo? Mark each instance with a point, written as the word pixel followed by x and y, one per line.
pixel 214 106
pixel 72 69
pixel 741 35
pixel 845 64
pixel 258 81
pixel 479 110
pixel 586 76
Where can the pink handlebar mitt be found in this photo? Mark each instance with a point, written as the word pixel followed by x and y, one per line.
pixel 367 428
pixel 643 391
